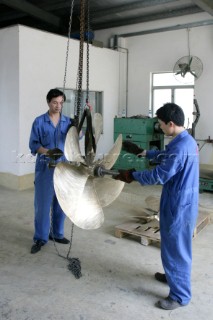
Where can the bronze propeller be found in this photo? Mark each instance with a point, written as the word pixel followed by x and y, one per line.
pixel 83 185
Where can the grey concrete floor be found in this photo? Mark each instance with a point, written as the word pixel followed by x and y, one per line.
pixel 117 274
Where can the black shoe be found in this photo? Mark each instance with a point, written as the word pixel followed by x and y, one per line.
pixel 168 304
pixel 63 240
pixel 160 277
pixel 37 246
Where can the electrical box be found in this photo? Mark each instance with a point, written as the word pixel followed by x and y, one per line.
pixel 144 132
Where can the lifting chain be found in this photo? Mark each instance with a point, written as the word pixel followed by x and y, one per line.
pixel 80 65
pixel 88 36
pixel 74 263
pixel 68 45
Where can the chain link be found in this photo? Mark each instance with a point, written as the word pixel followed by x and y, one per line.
pixel 64 85
pixel 80 66
pixel 68 45
pixel 88 36
pixel 75 263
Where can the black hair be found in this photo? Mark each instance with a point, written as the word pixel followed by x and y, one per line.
pixel 171 112
pixel 54 93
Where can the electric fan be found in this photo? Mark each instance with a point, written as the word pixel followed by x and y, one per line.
pixel 188 65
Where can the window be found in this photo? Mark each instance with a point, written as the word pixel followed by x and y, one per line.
pixel 95 99
pixel 167 88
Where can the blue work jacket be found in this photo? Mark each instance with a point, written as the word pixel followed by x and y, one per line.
pixel 178 168
pixel 45 134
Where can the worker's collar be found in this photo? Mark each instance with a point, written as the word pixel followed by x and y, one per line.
pixel 180 136
pixel 47 117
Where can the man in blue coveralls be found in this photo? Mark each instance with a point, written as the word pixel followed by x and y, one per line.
pixel 178 172
pixel 47 136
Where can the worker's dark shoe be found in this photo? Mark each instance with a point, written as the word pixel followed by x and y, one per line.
pixel 37 246
pixel 63 240
pixel 160 277
pixel 168 304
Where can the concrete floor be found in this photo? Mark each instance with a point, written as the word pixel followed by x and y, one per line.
pixel 117 274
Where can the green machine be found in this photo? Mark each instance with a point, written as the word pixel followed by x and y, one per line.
pixel 206 177
pixel 145 132
pixel 205 185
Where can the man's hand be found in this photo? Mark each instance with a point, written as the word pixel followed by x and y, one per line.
pixel 54 154
pixel 125 175
pixel 132 148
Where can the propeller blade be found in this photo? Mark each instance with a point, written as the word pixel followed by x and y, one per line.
pixel 69 182
pixel 98 126
pixel 77 196
pixel 107 189
pixel 71 148
pixel 89 214
pixel 110 158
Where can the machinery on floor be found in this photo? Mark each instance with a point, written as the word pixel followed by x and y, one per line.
pixel 143 131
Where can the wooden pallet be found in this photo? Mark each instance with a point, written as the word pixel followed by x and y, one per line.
pixel 202 221
pixel 150 231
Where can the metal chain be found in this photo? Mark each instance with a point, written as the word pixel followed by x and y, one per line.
pixel 54 242
pixel 80 66
pixel 74 263
pixel 64 85
pixel 68 45
pixel 66 64
pixel 71 237
pixel 88 32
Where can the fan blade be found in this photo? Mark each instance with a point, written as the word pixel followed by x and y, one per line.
pixel 98 126
pixel 89 214
pixel 69 182
pixel 110 158
pixel 192 73
pixel 190 61
pixel 107 189
pixel 71 148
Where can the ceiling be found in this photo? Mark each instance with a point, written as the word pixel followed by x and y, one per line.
pixel 54 15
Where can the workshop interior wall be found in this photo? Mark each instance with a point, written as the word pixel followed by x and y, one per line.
pixel 9 102
pixel 33 61
pixel 158 52
pixel 40 66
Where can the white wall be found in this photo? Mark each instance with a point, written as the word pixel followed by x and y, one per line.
pixel 158 52
pixel 33 62
pixel 9 99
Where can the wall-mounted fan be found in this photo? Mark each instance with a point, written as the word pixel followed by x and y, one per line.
pixel 188 65
pixel 188 68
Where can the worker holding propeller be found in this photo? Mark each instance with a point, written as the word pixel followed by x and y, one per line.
pixel 178 172
pixel 47 141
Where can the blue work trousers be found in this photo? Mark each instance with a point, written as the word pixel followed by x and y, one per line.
pixel 47 207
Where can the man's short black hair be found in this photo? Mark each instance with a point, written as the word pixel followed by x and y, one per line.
pixel 171 112
pixel 54 93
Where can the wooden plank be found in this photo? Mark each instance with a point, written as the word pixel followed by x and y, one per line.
pixel 147 232
pixel 150 232
pixel 202 221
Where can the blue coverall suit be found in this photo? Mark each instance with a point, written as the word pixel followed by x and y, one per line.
pixel 45 134
pixel 178 172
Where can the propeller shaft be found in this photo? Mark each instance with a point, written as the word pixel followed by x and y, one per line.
pixel 100 171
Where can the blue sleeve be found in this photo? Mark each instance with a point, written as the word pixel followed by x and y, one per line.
pixel 34 142
pixel 155 154
pixel 169 166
